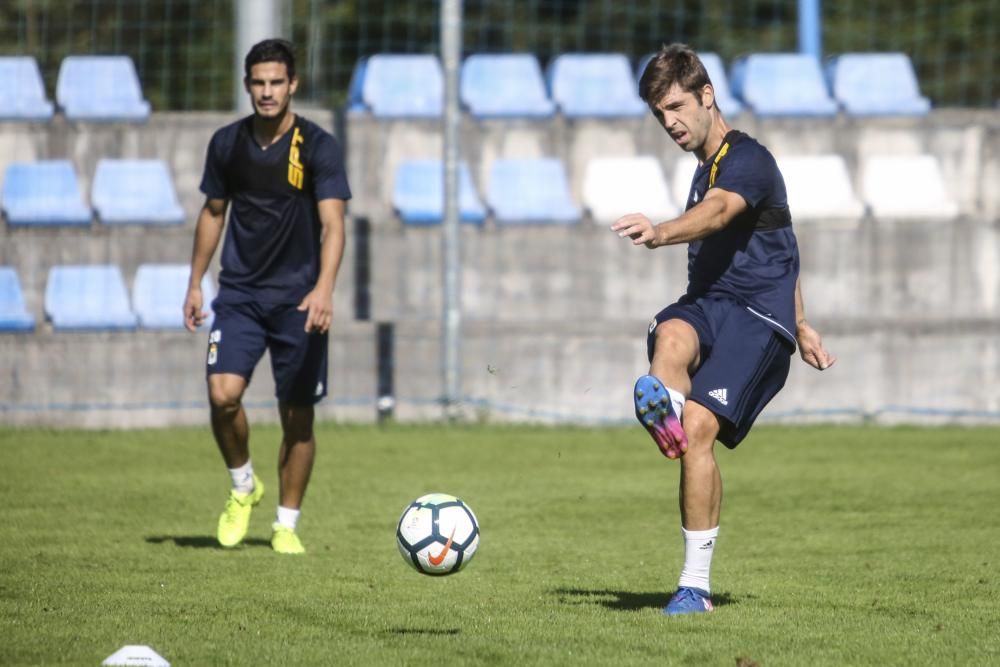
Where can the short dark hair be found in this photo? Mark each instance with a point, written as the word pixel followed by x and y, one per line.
pixel 673 64
pixel 271 51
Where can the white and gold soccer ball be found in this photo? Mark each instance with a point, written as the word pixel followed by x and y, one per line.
pixel 437 534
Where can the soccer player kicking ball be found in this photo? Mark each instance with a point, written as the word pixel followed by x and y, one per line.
pixel 282 179
pixel 722 351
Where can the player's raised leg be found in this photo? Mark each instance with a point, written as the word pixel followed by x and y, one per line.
pixel 229 425
pixel 295 463
pixel 660 396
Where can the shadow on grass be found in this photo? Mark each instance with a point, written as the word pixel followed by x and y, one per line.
pixel 629 600
pixel 202 541
pixel 423 631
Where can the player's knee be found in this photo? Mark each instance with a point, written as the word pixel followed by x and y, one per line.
pixel 297 423
pixel 676 343
pixel 223 399
pixel 224 403
pixel 701 428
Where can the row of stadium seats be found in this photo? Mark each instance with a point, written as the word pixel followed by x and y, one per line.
pixel 537 190
pixel 94 298
pixel 106 88
pixel 88 88
pixel 517 191
pixel 123 191
pixel 604 85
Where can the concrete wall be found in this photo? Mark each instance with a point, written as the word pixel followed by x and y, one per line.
pixel 156 378
pixel 555 318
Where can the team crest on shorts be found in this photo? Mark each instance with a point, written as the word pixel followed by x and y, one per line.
pixel 214 339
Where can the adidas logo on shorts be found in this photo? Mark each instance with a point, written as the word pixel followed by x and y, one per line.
pixel 719 395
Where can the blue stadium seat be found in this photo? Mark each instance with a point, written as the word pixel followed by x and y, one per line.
pixel 594 85
pixel 43 193
pixel 402 86
pixel 531 191
pixel 355 98
pixel 504 85
pixel 158 295
pixel 782 84
pixel 100 88
pixel 869 84
pixel 14 315
pixel 87 298
pixel 418 193
pixel 26 100
pixel 135 191
pixel 728 105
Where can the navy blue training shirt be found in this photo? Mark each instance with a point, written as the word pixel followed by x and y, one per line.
pixel 272 245
pixel 755 258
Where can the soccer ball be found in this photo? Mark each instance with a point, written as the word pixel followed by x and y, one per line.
pixel 437 534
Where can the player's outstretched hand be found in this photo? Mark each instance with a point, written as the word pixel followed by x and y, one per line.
pixel 194 316
pixel 637 227
pixel 319 307
pixel 811 347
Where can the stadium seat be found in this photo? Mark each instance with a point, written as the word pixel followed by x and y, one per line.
pixel 88 298
pixel 100 88
pixel 782 84
pixel 819 186
pixel 355 99
pixel 43 193
pixel 531 191
pixel 613 187
pixel 729 105
pixel 504 85
pixel 418 193
pixel 905 186
pixel 869 84
pixel 681 177
pixel 158 295
pixel 594 85
pixel 135 191
pixel 14 315
pixel 402 86
pixel 27 99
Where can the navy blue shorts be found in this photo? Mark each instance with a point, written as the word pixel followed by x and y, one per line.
pixel 744 362
pixel 242 332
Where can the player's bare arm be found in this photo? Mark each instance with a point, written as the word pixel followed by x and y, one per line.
pixel 319 302
pixel 811 347
pixel 208 231
pixel 717 210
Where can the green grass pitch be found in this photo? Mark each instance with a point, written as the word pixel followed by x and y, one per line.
pixel 839 546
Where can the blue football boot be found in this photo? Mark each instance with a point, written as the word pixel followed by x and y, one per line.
pixel 688 601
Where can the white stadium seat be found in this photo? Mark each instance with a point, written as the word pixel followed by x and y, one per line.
pixel 613 187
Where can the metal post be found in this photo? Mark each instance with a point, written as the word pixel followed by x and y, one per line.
pixel 451 52
pixel 255 20
pixel 811 28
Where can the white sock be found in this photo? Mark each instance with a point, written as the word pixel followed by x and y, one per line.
pixel 242 477
pixel 676 400
pixel 698 548
pixel 288 517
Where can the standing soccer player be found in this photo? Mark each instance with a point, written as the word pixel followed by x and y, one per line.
pixel 282 178
pixel 722 351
